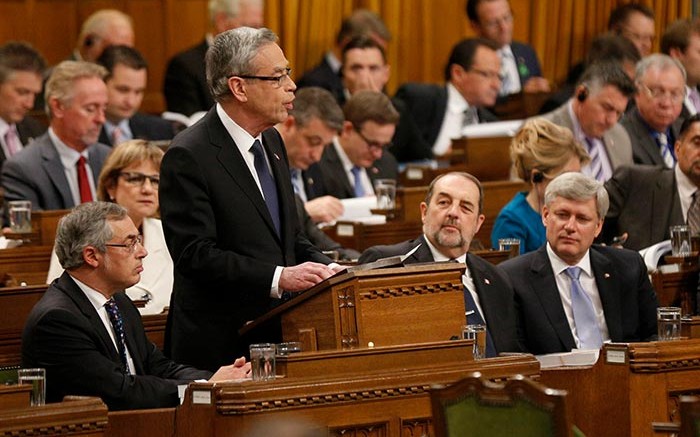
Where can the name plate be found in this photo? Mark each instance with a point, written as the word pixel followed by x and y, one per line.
pixel 615 356
pixel 345 230
pixel 201 397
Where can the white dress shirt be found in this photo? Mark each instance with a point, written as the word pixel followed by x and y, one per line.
pixel 452 122
pixel 69 160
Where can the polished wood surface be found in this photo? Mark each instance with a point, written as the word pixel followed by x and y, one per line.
pixel 14 396
pixel 78 416
pixel 156 422
pixel 677 288
pixel 15 305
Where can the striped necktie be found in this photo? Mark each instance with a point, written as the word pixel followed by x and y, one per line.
pixel 694 214
pixel 662 142
pixel 596 165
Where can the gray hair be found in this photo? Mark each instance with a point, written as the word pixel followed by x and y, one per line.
pixel 659 61
pixel 86 225
pixel 63 77
pixel 314 102
pixel 229 7
pixel 232 54
pixel 579 187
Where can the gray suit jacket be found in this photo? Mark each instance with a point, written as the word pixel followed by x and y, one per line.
pixel 644 147
pixel 36 174
pixel 617 142
pixel 644 202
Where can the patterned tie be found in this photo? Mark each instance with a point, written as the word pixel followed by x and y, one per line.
pixel 507 82
pixel 662 142
pixel 118 324
pixel 596 165
pixel 584 313
pixel 359 189
pixel 83 183
pixel 694 214
pixel 470 117
pixel 694 98
pixel 267 183
pixel 117 136
pixel 12 141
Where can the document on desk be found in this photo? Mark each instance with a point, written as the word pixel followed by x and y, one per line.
pixel 358 209
pixel 577 357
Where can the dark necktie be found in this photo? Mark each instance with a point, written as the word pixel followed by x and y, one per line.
pixel 83 183
pixel 584 313
pixel 474 318
pixel 118 324
pixel 267 183
pixel 359 189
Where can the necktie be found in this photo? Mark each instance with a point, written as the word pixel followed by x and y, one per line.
pixel 694 214
pixel 118 324
pixel 507 82
pixel 117 136
pixel 662 142
pixel 298 183
pixel 596 165
pixel 83 183
pixel 694 98
pixel 584 313
pixel 474 318
pixel 359 189
pixel 267 183
pixel 12 141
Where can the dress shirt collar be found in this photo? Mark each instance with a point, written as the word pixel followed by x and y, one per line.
pixel 333 61
pixel 559 265
pixel 456 103
pixel 244 140
pixel 439 257
pixel 209 38
pixel 96 298
pixel 347 164
pixel 69 156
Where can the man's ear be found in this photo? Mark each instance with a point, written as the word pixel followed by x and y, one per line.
pixel 92 256
pixel 237 87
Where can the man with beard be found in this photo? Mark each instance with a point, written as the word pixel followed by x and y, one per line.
pixel 451 215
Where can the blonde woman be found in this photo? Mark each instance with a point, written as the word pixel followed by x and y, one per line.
pixel 540 151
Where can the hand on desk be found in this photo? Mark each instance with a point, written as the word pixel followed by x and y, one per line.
pixel 324 209
pixel 303 276
pixel 238 370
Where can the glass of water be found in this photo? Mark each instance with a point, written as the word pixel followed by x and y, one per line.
pixel 20 216
pixel 668 321
pixel 37 379
pixel 262 361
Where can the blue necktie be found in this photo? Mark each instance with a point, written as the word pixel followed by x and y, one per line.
pixel 267 183
pixel 118 324
pixel 359 189
pixel 474 318
pixel 666 155
pixel 584 313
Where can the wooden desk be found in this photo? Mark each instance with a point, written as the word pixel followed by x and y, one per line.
pixel 25 264
pixel 623 399
pixel 156 422
pixel 84 416
pixel 15 305
pixel 14 396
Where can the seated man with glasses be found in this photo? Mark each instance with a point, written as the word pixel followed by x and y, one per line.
pixel 592 114
pixel 358 155
pixel 653 125
pixel 86 332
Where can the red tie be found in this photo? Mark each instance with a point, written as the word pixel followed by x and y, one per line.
pixel 83 183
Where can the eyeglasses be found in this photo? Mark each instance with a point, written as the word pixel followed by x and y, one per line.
pixel 676 96
pixel 372 143
pixel 130 244
pixel 138 179
pixel 276 79
pixel 490 75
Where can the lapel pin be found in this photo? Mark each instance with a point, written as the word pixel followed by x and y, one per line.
pixel 278 158
pixel 487 281
pixel 606 275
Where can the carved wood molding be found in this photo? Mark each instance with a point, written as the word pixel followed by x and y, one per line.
pixel 664 356
pixel 410 290
pixel 348 320
pixel 362 430
pixel 58 430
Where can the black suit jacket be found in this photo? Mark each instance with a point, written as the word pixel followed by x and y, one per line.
pixel 185 85
pixel 65 335
pixel 492 286
pixel 318 238
pixel 330 178
pixel 629 301
pixel 323 76
pixel 144 127
pixel 222 240
pixel 644 147
pixel 427 105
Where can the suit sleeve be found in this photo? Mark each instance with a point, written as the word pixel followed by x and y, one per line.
pixel 617 188
pixel 18 185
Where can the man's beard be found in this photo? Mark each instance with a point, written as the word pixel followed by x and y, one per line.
pixel 450 241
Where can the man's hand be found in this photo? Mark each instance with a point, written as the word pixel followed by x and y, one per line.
pixel 536 85
pixel 303 276
pixel 324 209
pixel 238 370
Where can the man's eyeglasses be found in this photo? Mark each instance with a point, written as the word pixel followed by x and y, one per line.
pixel 490 75
pixel 130 243
pixel 676 96
pixel 276 79
pixel 371 143
pixel 138 179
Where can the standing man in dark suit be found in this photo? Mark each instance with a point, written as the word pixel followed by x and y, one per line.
pixel 127 72
pixel 88 334
pixel 669 194
pixel 451 217
pixel 654 122
pixel 358 156
pixel 520 68
pixel 227 204
pixel 440 112
pixel 61 168
pixel 571 294
pixel 21 70
pixel 185 85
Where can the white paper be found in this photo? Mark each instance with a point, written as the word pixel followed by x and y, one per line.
pixel 357 209
pixel 653 253
pixel 490 130
pixel 577 357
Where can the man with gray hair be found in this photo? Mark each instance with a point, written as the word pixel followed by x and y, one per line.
pixel 185 85
pixel 104 28
pixel 592 114
pixel 654 123
pixel 571 294
pixel 86 332
pixel 61 168
pixel 227 205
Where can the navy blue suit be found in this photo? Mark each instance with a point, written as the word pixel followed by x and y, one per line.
pixel 526 60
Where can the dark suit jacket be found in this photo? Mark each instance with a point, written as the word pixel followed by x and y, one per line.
pixel 36 174
pixel 629 301
pixel 65 335
pixel 144 127
pixel 644 203
pixel 28 129
pixel 185 85
pixel 323 76
pixel 427 104
pixel 329 175
pixel 222 240
pixel 644 147
pixel 492 286
pixel 526 60
pixel 317 237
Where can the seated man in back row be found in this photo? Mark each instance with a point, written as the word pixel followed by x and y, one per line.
pixel 570 294
pixel 451 217
pixel 88 334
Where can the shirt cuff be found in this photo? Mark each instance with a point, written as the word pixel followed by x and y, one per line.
pixel 275 291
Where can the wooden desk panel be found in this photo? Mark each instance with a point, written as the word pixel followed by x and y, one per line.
pixel 14 396
pixel 15 305
pixel 86 417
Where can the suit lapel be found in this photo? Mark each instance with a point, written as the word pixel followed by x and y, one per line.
pixel 420 255
pixel 54 169
pixel 608 286
pixel 336 165
pixel 665 207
